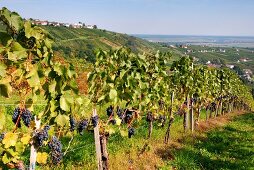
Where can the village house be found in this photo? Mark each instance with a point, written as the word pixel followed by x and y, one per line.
pixel 230 66
pixel 90 26
pixel 38 22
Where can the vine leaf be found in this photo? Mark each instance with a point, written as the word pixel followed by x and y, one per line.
pixel 2 69
pixel 34 80
pixel 123 133
pixel 5 159
pixel 14 20
pixel 10 139
pixel 62 120
pixel 25 139
pixel 112 94
pixel 64 104
pixel 19 147
pixel 118 121
pixel 42 157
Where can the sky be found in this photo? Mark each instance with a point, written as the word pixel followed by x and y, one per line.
pixel 165 17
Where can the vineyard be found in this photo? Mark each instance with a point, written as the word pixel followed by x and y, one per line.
pixel 129 98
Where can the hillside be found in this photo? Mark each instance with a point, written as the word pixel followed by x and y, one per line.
pixel 241 58
pixel 82 42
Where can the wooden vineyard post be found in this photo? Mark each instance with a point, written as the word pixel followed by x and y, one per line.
pixel 187 115
pixel 105 161
pixel 97 143
pixel 33 151
pixel 191 114
pixel 167 136
pixel 150 129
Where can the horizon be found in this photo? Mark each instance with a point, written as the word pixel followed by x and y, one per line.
pixel 248 36
pixel 147 17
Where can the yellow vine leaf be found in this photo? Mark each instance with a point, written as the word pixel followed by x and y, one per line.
pixel 10 139
pixel 42 157
pixel 25 139
pixel 118 121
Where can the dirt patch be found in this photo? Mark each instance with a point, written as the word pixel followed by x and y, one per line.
pixel 204 126
pixel 109 43
pixel 82 82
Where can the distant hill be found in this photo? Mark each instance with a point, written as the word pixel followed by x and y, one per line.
pixel 82 42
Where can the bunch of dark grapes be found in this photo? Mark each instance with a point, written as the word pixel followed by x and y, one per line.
pixel 46 128
pixel 82 126
pixel 56 150
pixel 119 112
pixel 193 100
pixel 149 117
pixel 2 136
pixel 112 121
pixel 72 124
pixel 15 117
pixel 131 132
pixel 40 136
pixel 110 111
pixel 95 120
pixel 26 117
pixel 162 120
pixel 213 107
pixel 128 116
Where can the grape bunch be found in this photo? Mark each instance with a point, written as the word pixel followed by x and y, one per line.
pixel 95 120
pixel 110 111
pixel 112 121
pixel 213 107
pixel 128 116
pixel 26 117
pixel 194 100
pixel 119 112
pixel 72 124
pixel 2 136
pixel 131 132
pixel 162 120
pixel 56 150
pixel 15 117
pixel 149 117
pixel 82 126
pixel 40 136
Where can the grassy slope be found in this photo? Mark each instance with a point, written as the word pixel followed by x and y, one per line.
pixel 230 147
pixel 82 42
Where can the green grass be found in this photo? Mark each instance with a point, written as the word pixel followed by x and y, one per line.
pixel 230 147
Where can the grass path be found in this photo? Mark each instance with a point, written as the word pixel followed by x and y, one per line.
pixel 228 147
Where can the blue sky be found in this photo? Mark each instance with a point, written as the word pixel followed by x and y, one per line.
pixel 173 17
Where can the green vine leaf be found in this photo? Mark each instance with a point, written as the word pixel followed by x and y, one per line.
pixel 5 159
pixel 62 120
pixel 64 104
pixel 5 90
pixel 112 94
